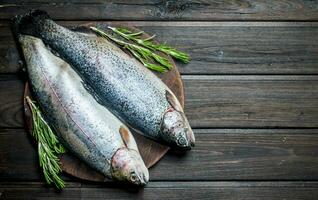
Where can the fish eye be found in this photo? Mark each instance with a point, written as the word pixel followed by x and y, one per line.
pixel 182 141
pixel 133 177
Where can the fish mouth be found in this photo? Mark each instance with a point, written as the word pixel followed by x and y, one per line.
pixel 145 178
pixel 143 181
pixel 191 138
pixel 142 178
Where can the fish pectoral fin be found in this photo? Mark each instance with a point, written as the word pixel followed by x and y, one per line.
pixel 173 101
pixel 93 93
pixel 54 52
pixel 128 139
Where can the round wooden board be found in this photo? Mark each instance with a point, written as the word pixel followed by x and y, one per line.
pixel 150 151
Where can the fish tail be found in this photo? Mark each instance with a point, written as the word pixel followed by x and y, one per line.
pixel 26 24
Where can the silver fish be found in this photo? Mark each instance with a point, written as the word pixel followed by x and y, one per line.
pixel 87 128
pixel 121 83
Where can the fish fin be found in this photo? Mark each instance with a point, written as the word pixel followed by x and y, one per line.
pixel 83 29
pixel 128 138
pixel 93 93
pixel 24 24
pixel 173 101
pixel 54 52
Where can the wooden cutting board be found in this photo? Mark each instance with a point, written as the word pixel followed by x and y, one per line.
pixel 150 151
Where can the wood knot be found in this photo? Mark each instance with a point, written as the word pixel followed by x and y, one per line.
pixel 178 7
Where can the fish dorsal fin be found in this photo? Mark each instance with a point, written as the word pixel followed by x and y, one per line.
pixel 82 29
pixel 173 101
pixel 127 137
pixel 92 92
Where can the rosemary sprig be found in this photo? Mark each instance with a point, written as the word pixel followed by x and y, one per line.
pixel 144 55
pixel 128 35
pixel 48 146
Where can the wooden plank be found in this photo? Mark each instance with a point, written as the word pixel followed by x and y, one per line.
pixel 251 101
pixel 219 154
pixel 219 101
pixel 219 48
pixel 11 96
pixel 167 10
pixel 169 190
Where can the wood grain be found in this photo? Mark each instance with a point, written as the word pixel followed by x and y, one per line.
pixel 220 154
pixel 218 101
pixel 251 101
pixel 275 160
pixel 168 190
pixel 167 9
pixel 218 47
pixel 11 114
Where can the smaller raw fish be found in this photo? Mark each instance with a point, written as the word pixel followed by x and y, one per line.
pixel 84 126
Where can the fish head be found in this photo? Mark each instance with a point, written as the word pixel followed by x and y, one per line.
pixel 176 130
pixel 127 165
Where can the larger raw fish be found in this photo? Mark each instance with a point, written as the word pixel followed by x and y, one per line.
pixel 87 128
pixel 121 83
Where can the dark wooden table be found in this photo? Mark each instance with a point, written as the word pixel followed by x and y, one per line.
pixel 251 97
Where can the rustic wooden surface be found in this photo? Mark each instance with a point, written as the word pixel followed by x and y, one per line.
pixel 251 94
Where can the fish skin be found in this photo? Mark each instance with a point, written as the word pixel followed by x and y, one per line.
pixel 128 89
pixel 87 128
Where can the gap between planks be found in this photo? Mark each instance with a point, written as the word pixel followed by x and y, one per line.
pixel 174 184
pixel 189 23
pixel 260 77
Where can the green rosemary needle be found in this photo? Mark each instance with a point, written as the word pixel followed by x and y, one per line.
pixel 128 35
pixel 144 55
pixel 48 146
